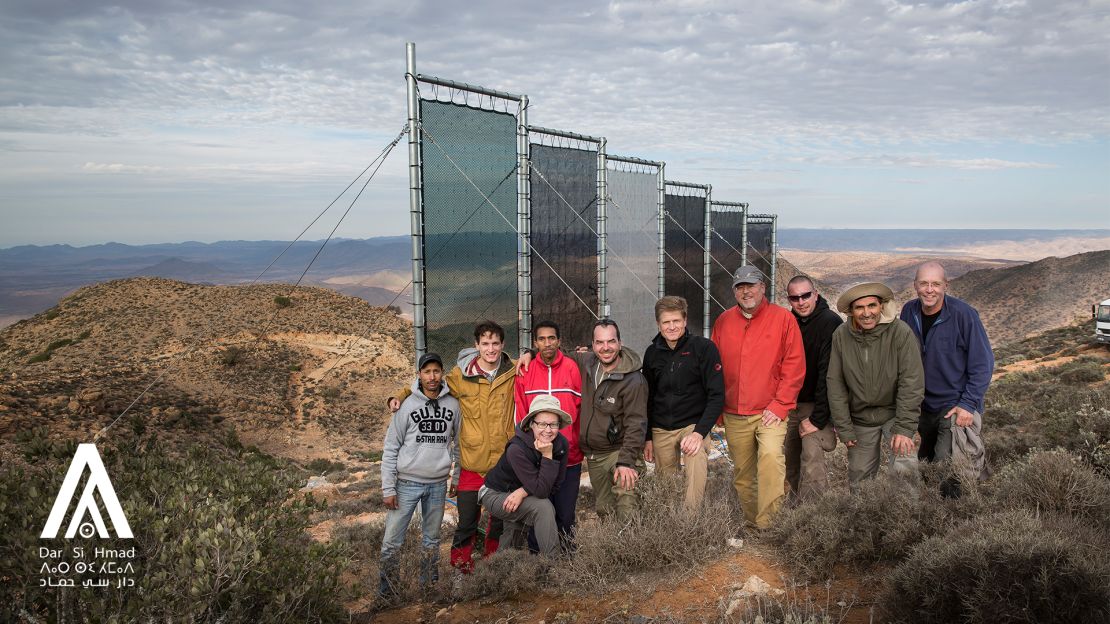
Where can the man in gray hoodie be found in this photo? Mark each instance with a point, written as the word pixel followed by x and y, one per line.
pixel 420 446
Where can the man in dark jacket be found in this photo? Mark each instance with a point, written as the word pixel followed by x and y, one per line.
pixel 519 487
pixel 958 362
pixel 809 433
pixel 686 395
pixel 613 420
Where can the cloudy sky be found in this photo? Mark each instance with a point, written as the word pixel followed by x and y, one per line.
pixel 172 120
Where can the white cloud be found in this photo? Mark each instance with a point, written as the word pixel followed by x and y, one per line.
pixel 140 88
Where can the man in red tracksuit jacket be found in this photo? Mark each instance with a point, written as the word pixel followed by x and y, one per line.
pixel 555 374
pixel 764 367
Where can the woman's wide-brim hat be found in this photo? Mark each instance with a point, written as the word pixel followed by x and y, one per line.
pixel 546 403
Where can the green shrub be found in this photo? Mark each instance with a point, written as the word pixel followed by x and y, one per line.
pixel 217 538
pixel 330 393
pixel 882 523
pixel 662 538
pixel 41 357
pixel 1081 371
pixel 52 314
pixel 1055 482
pixel 283 301
pixel 1006 567
pixel 58 344
pixel 324 466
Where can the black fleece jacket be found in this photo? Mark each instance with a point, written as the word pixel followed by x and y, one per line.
pixel 521 465
pixel 817 330
pixel 685 384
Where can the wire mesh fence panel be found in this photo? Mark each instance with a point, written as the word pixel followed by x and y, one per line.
pixel 564 236
pixel 632 232
pixel 685 263
pixel 470 251
pixel 728 227
pixel 759 249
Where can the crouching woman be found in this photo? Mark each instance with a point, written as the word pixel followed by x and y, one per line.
pixel 519 488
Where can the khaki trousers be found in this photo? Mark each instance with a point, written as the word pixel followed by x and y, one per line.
pixel 668 454
pixel 611 499
pixel 805 456
pixel 865 456
pixel 759 472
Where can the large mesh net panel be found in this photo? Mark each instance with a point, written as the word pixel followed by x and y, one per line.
pixel 728 234
pixel 685 264
pixel 632 232
pixel 470 251
pixel 565 236
pixel 759 248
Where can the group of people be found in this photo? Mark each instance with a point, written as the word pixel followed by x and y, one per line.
pixel 511 436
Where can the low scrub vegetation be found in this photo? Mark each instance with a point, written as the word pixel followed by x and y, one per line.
pixel 1012 566
pixel 219 537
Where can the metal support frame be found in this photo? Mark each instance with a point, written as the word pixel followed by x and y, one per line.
pixel 744 237
pixel 602 236
pixel 774 256
pixel 416 202
pixel 462 86
pixel 662 230
pixel 707 261
pixel 774 221
pixel 524 229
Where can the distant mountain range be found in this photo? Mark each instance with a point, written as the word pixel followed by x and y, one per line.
pixel 34 278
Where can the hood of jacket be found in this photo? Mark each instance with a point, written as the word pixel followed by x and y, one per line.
pixel 469 353
pixel 821 305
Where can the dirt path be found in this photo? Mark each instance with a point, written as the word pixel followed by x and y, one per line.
pixel 702 597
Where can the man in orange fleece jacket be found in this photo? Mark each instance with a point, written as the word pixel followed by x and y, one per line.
pixel 764 367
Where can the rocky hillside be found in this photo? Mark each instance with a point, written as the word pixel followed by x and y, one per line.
pixel 1023 300
pixel 313 368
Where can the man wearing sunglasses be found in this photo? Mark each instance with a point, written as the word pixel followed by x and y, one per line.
pixel 809 434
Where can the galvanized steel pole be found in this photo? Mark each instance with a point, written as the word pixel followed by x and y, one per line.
pixel 774 255
pixel 524 227
pixel 707 260
pixel 744 236
pixel 602 237
pixel 416 196
pixel 662 230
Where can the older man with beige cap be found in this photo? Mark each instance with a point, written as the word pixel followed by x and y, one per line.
pixel 875 382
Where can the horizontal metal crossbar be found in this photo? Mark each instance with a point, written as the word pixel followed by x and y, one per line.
pixel 454 84
pixel 566 135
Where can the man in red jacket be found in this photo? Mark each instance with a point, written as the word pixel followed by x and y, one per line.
pixel 555 374
pixel 764 366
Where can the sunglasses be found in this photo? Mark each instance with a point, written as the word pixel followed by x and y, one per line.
pixel 801 297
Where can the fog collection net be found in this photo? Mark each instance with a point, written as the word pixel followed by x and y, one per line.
pixel 470 252
pixel 564 235
pixel 686 260
pixel 632 231
pixel 759 249
pixel 725 248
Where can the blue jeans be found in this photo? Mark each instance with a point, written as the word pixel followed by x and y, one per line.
pixel 430 497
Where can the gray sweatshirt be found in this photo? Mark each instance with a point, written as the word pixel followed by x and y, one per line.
pixel 422 440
